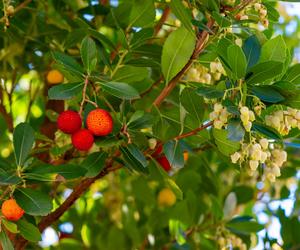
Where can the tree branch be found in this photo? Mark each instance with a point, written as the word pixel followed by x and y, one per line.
pixel 198 49
pixel 162 20
pixel 193 132
pixel 48 220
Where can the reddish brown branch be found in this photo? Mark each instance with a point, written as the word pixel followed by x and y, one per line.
pixel 7 116
pixel 193 132
pixel 55 215
pixel 198 49
pixel 162 20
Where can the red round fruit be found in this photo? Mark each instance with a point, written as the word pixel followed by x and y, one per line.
pixel 163 161
pixel 69 122
pixel 99 122
pixel 83 140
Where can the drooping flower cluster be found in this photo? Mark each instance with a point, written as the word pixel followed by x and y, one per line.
pixel 247 117
pixel 219 116
pixel 201 74
pixel 284 120
pixel 231 241
pixel 261 11
pixel 262 152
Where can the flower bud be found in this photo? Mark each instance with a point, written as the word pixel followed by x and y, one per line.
pixel 264 143
pixel 253 165
pixel 235 157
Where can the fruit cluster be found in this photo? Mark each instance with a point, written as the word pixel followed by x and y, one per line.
pixel 99 123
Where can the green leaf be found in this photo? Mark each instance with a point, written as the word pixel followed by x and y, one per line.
pixel 10 226
pixel 244 226
pixel 182 13
pixel 129 74
pixel 94 163
pixel 65 91
pixel 293 74
pixel 140 120
pixel 141 37
pixel 142 13
pixel 267 94
pixel 224 145
pixel 23 139
pixel 120 89
pixel 222 21
pixel 273 14
pixel 252 50
pixel 33 202
pixel 9 178
pixel 88 52
pixel 273 50
pixel 134 159
pixel 68 63
pixel 236 131
pixel 174 153
pixel 237 61
pixel 29 231
pixel 263 72
pixel 266 130
pixel 210 92
pixel 102 39
pixel 192 103
pixel 177 51
pixel 68 171
pixel 5 241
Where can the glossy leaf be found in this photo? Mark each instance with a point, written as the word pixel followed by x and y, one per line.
pixel 94 163
pixel 88 52
pixel 65 91
pixel 225 146
pixel 23 139
pixel 177 51
pixel 29 231
pixel 174 153
pixel 33 202
pixel 120 89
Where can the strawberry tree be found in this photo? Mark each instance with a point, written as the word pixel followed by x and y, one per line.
pixel 147 124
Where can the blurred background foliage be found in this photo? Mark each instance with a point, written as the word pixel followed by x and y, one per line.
pixel 121 210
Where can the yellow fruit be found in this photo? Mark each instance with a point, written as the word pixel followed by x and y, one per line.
pixel 166 198
pixel 54 77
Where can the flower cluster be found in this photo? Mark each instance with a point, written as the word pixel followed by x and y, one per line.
pixel 219 116
pixel 260 9
pixel 247 117
pixel 199 73
pixel 284 120
pixel 231 242
pixel 261 152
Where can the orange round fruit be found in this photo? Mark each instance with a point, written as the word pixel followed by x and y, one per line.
pixel 11 210
pixel 99 122
pixel 54 77
pixel 166 198
pixel 83 140
pixel 185 155
pixel 69 122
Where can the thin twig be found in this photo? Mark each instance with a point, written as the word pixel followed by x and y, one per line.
pixel 162 20
pixel 86 81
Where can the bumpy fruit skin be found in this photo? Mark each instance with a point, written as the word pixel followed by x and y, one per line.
pixel 54 77
pixel 83 140
pixel 163 161
pixel 185 156
pixel 166 198
pixel 11 210
pixel 99 122
pixel 69 122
